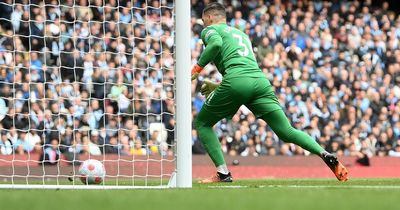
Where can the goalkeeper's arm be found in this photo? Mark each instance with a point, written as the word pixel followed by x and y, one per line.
pixel 213 43
pixel 213 46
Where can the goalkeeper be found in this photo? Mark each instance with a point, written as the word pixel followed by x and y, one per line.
pixel 243 84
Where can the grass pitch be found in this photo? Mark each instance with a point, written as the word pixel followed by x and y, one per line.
pixel 296 194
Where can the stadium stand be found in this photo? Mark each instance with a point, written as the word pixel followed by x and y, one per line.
pixel 337 75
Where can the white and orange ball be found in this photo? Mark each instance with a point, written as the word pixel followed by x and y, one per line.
pixel 92 172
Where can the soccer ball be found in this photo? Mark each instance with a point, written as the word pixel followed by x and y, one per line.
pixel 91 172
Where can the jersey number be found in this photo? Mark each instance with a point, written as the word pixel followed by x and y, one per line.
pixel 245 51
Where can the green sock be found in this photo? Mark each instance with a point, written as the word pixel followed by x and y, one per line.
pixel 279 123
pixel 211 144
pixel 209 139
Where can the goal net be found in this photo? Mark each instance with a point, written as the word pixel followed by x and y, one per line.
pixel 87 80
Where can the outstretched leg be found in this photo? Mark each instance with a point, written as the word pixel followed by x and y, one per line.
pixel 279 123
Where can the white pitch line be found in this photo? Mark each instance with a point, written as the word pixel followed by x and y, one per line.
pixel 229 186
pixel 338 186
pixel 314 186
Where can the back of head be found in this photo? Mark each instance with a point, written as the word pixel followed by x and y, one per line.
pixel 215 9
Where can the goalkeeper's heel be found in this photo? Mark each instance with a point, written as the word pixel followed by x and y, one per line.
pixel 218 177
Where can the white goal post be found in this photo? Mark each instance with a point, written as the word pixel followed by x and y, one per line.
pixel 97 79
pixel 183 94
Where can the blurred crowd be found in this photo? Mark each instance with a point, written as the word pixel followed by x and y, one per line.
pixel 335 67
pixel 97 77
pixel 90 77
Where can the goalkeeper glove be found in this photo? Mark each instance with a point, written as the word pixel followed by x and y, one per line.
pixel 208 87
pixel 196 71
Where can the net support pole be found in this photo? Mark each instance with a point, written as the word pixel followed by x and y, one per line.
pixel 183 94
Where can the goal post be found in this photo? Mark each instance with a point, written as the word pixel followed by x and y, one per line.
pixel 105 80
pixel 183 93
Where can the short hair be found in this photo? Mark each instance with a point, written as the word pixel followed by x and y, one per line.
pixel 215 8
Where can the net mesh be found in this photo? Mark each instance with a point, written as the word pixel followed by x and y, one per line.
pixel 87 80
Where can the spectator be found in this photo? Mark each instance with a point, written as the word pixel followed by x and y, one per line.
pixel 52 153
pixel 138 149
pixel 5 144
pixel 395 152
pixel 112 147
pixel 237 21
pixel 90 147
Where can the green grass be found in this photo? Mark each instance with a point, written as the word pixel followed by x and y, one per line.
pixel 267 194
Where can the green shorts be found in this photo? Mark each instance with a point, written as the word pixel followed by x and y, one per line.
pixel 255 93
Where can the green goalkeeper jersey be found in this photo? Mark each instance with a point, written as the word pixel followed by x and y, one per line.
pixel 230 50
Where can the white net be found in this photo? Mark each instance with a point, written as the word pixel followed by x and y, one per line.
pixel 87 80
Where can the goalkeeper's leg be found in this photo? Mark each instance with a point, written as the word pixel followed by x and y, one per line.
pixel 204 125
pixel 279 123
pixel 219 104
pixel 208 137
pixel 265 105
